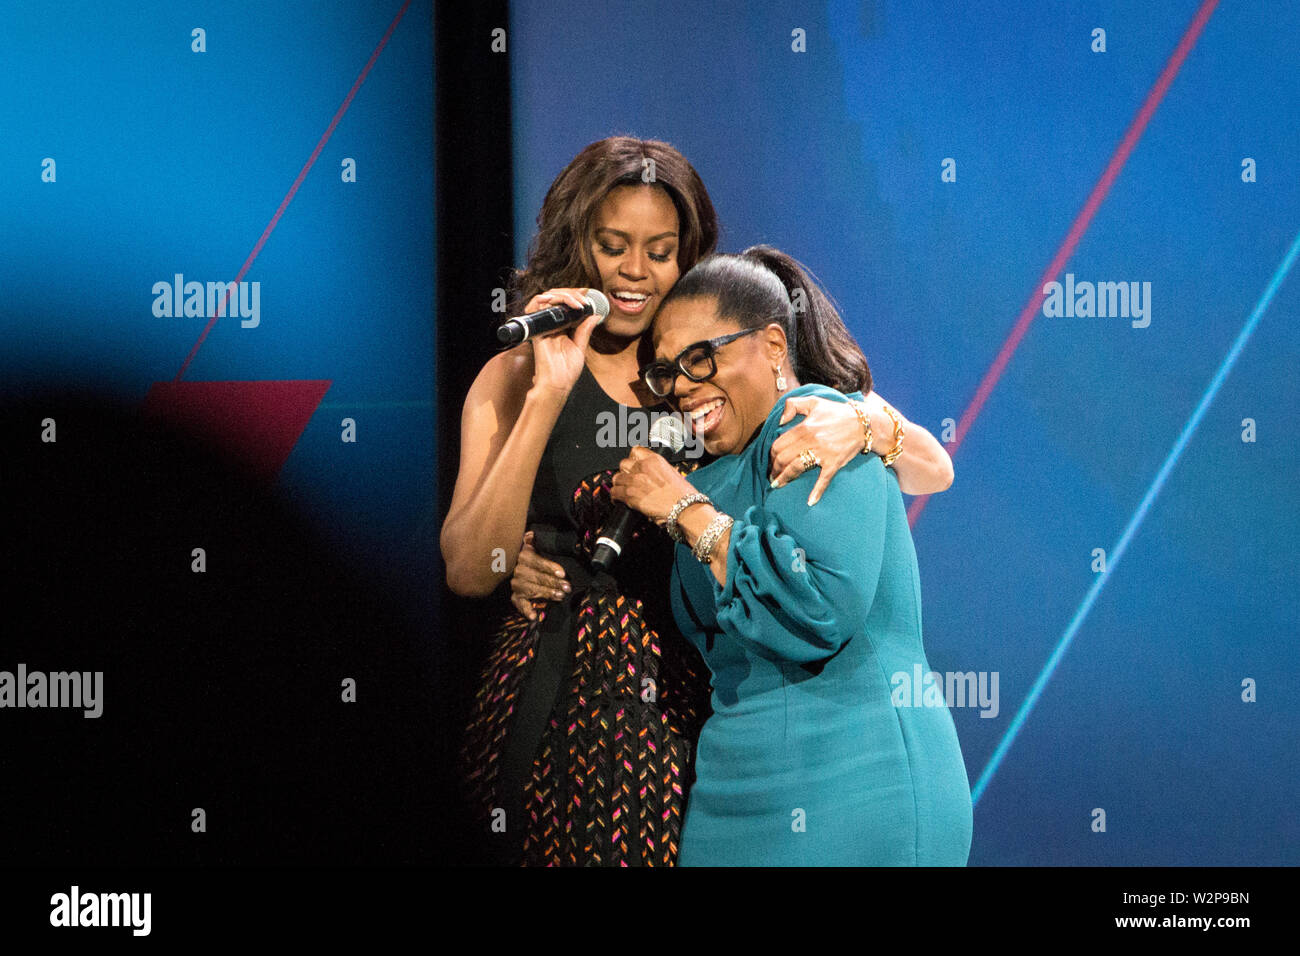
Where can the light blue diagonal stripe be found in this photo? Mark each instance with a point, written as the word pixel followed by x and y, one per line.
pixel 1134 522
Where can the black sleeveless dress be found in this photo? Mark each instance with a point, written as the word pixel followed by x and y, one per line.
pixel 580 745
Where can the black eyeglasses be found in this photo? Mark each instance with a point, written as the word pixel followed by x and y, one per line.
pixel 695 361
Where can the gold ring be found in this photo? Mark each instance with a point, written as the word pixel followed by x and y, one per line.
pixel 809 459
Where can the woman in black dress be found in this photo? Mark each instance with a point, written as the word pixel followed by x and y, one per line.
pixel 579 745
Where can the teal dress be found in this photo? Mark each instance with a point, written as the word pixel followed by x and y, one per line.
pixel 806 760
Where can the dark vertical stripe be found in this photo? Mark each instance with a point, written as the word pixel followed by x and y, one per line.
pixel 475 247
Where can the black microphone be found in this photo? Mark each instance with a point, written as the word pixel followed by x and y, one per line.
pixel 667 433
pixel 513 331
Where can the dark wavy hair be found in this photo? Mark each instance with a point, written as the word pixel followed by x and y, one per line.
pixel 560 254
pixel 764 285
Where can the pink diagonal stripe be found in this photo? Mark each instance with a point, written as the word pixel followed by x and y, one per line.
pixel 284 203
pixel 1076 232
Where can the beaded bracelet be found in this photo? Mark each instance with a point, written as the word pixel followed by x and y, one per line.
pixel 898 437
pixel 670 524
pixel 703 550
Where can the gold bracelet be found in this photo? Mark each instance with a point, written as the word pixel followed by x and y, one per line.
pixel 860 409
pixel 898 436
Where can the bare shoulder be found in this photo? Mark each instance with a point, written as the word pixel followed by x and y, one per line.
pixel 504 380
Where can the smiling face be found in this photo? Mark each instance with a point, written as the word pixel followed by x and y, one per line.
pixel 727 410
pixel 634 247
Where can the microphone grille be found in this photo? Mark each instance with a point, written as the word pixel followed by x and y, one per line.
pixel 599 304
pixel 668 431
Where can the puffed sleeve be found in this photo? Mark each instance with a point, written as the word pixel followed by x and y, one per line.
pixel 801 579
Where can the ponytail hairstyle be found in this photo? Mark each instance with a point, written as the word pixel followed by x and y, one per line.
pixel 559 256
pixel 764 285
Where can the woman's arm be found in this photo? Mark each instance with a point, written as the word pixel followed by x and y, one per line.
pixel 924 467
pixel 833 431
pixel 794 580
pixel 502 435
pixel 505 426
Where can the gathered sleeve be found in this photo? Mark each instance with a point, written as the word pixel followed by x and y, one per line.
pixel 800 579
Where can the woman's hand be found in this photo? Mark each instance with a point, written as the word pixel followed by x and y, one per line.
pixel 535 579
pixel 645 482
pixel 558 357
pixel 831 430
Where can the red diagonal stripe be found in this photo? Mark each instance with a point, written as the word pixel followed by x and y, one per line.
pixel 1081 222
pixel 284 203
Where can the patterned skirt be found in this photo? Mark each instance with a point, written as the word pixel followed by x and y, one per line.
pixel 579 749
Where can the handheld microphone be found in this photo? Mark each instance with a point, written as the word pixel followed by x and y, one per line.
pixel 667 433
pixel 513 331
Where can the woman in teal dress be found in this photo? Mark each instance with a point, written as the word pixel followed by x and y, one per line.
pixel 804 615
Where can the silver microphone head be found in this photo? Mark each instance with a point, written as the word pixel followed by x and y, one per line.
pixel 668 432
pixel 599 304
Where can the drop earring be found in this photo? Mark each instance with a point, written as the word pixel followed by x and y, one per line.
pixel 780 379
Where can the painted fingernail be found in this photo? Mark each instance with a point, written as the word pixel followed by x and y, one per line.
pixel 775 483
pixel 558 595
pixel 565 587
